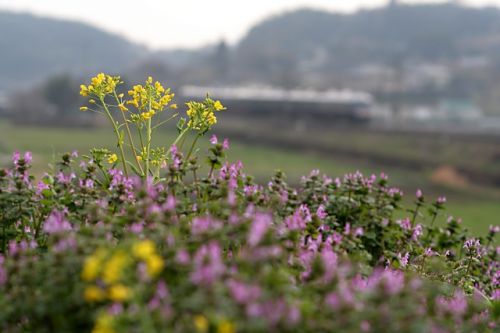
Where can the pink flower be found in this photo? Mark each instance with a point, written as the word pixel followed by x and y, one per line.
pixel 405 224
pixel 208 264
pixel 403 260
pixel 225 144
pixel 244 293
pixel 204 224
pixel 321 212
pixel 258 228
pixel 213 139
pixel 417 232
pixel 56 223
pixel 419 194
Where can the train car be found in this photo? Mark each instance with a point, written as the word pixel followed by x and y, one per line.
pixel 269 103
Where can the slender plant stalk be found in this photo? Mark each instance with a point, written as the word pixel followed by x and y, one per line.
pixel 129 134
pixel 120 143
pixel 192 147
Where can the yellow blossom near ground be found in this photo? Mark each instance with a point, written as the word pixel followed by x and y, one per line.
pixel 225 326
pixel 154 265
pixel 119 293
pixel 104 324
pixel 93 294
pixel 92 265
pixel 201 323
pixel 144 249
pixel 113 269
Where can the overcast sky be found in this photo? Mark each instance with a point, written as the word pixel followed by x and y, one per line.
pixel 184 23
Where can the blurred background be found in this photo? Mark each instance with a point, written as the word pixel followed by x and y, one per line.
pixel 408 88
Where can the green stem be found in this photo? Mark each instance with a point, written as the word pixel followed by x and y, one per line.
pixel 192 147
pixel 180 136
pixel 148 145
pixel 129 134
pixel 120 144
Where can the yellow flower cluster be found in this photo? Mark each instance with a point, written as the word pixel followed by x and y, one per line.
pixel 202 115
pixel 92 265
pixel 146 251
pixel 225 326
pixel 110 271
pixel 100 85
pixel 104 324
pixel 112 158
pixel 147 115
pixel 151 97
pixel 113 269
pixel 202 325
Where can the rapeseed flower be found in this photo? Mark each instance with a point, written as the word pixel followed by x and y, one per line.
pixel 112 158
pixel 100 86
pixel 114 267
pixel 92 266
pixel 144 249
pixel 218 106
pixel 151 96
pixel 201 323
pixel 154 265
pixel 104 324
pixel 93 294
pixel 119 293
pixel 225 326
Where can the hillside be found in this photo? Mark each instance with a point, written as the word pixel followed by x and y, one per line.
pixel 419 32
pixel 37 47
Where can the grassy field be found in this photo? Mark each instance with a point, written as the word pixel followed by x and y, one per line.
pixel 478 208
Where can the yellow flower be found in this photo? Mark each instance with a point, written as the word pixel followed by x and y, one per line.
pixel 218 106
pixel 122 107
pixel 112 158
pixel 209 117
pixel 119 293
pixel 92 266
pixel 201 323
pixel 144 249
pixel 93 294
pixel 139 158
pixel 225 326
pixel 147 115
pixel 154 265
pixel 114 268
pixel 84 91
pixel 104 324
pixel 173 106
pixel 83 108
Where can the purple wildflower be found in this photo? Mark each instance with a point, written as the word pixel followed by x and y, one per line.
pixel 225 144
pixel 56 223
pixel 321 212
pixel 208 264
pixel 258 228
